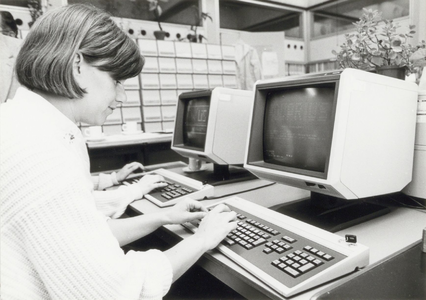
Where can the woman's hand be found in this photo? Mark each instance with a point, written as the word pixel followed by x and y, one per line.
pixel 149 182
pixel 186 210
pixel 127 170
pixel 216 225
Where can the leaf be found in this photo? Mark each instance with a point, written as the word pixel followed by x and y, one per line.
pixel 419 54
pixel 377 60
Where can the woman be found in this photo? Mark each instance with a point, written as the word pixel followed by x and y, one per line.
pixel 55 243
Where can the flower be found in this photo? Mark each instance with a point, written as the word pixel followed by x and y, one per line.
pixel 376 43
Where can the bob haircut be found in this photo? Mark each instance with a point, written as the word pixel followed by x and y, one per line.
pixel 45 61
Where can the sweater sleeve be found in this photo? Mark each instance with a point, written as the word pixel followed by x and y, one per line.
pixel 103 181
pixel 113 203
pixel 68 243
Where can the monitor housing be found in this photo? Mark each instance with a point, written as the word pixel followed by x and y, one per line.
pixel 212 126
pixel 345 135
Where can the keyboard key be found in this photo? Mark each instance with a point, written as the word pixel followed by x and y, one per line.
pixel 283 259
pixel 248 246
pixel 287 247
pixel 267 250
pixel 242 242
pixel 327 257
pixel 259 242
pixel 276 262
pixel 291 271
pixel 320 253
pixel 306 268
pixel 288 239
pixel 296 266
pixel 166 196
pixel 228 241
pixel 317 262
pixel 280 250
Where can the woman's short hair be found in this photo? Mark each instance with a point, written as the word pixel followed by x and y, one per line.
pixel 45 61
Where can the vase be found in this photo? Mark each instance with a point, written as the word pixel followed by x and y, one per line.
pixel 192 38
pixel 159 34
pixel 392 71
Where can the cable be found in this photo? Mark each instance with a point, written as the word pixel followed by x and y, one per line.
pixel 420 206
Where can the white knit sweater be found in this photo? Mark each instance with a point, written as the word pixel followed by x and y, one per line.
pixel 55 244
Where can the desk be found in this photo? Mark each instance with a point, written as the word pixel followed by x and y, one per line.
pixel 385 235
pixel 115 151
pixel 126 140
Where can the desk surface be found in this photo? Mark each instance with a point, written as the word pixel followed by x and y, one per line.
pixel 121 139
pixel 385 236
pixel 400 277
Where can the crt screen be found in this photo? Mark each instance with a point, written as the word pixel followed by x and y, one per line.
pixel 195 122
pixel 298 127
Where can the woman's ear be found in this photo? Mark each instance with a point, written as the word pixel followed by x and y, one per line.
pixel 77 64
pixel 77 68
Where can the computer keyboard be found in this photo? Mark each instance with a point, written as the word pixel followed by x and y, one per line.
pixel 178 187
pixel 288 255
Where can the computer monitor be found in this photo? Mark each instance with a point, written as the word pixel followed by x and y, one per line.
pixel 212 126
pixel 347 135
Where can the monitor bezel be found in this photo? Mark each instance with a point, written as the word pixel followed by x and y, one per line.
pixel 178 140
pixel 255 145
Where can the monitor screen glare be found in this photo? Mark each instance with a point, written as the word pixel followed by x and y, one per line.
pixel 195 122
pixel 298 128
